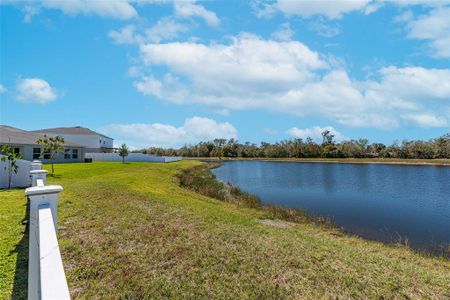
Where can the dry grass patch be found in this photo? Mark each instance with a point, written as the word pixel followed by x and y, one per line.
pixel 277 223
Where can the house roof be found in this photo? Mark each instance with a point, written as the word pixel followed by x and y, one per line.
pixel 12 135
pixel 79 130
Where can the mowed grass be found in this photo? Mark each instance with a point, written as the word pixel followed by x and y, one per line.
pixel 130 231
pixel 13 245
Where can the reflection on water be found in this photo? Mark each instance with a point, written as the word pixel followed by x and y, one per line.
pixel 382 202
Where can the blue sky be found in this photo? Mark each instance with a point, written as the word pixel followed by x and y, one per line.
pixel 166 73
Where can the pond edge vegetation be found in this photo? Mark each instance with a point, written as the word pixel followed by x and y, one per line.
pixel 201 180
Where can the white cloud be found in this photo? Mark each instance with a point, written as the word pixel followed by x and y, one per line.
pixel 433 27
pixel 29 12
pixel 165 29
pixel 149 86
pixel 244 64
pixel 126 35
pixel 413 84
pixel 134 71
pixel 188 9
pixel 263 8
pixel 193 130
pixel 372 7
pixel 221 111
pixel 315 133
pixel 426 120
pixel 284 34
pixel 321 27
pixel 141 2
pixel 35 90
pixel 117 9
pixel 404 17
pixel 429 3
pixel 332 9
pixel 288 77
pixel 2 89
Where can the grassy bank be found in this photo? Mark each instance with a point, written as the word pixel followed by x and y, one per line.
pixel 200 180
pixel 130 231
pixel 388 161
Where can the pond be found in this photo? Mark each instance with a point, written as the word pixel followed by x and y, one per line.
pixel 388 203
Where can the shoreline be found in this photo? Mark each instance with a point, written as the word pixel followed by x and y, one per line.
pixel 380 161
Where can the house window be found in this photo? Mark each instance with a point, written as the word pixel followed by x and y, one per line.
pixel 46 155
pixel 36 153
pixel 16 150
pixel 74 153
pixel 66 153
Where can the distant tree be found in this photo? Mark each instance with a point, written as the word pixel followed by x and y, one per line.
pixel 123 151
pixel 328 147
pixel 11 157
pixel 442 146
pixel 312 149
pixel 297 148
pixel 327 138
pixel 230 148
pixel 219 143
pixel 52 147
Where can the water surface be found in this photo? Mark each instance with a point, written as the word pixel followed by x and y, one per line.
pixel 388 203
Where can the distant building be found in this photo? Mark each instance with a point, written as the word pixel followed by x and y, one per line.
pixel 91 140
pixel 24 142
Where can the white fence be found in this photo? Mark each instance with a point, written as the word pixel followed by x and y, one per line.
pixel 21 179
pixel 132 157
pixel 46 277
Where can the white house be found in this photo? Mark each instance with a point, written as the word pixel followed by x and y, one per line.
pixel 24 142
pixel 91 140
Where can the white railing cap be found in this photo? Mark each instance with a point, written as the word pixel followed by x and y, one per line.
pixel 38 171
pixel 40 190
pixel 52 278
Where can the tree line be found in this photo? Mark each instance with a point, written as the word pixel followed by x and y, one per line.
pixel 299 148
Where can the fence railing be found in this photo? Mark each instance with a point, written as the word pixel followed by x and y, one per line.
pixel 46 277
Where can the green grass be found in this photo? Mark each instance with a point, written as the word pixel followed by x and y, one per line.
pixel 130 231
pixel 13 245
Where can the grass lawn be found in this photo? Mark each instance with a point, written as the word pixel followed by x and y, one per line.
pixel 130 231
pixel 13 245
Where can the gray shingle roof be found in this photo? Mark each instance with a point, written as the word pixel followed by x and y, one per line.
pixel 70 130
pixel 12 135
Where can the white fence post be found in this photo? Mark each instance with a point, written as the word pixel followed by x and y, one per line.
pixel 36 165
pixel 38 174
pixel 43 197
